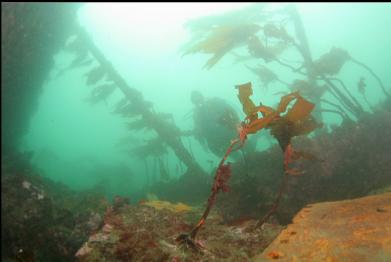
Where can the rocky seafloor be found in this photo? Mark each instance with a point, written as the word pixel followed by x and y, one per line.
pixel 148 232
pixel 42 220
pixel 349 230
pixel 45 221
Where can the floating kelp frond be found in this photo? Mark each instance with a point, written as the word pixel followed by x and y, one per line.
pixel 240 58
pixel 258 50
pixel 331 62
pixel 120 104
pixel 265 74
pixel 128 140
pixel 274 31
pixel 138 125
pixel 95 75
pixel 222 40
pixel 80 61
pixel 75 45
pixel 100 93
pixel 308 90
pixel 105 89
pixel 126 109
pixel 152 147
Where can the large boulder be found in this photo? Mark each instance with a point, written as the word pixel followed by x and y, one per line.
pixel 349 230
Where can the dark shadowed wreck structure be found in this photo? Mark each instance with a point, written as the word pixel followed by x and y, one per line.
pixel 31 33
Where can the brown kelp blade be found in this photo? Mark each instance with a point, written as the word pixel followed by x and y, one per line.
pixel 258 124
pixel 285 100
pixel 245 91
pixel 300 110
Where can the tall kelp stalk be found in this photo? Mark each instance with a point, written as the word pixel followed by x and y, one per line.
pixel 167 131
pixel 221 178
pixel 304 49
pixel 31 33
pixel 303 45
pixel 297 121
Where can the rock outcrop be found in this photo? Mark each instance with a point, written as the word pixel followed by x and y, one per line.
pixel 349 230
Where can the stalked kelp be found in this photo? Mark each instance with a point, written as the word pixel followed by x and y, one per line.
pixel 297 121
pixel 156 149
pixel 274 33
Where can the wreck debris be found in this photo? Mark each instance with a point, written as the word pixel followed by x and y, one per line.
pixel 167 131
pixel 31 33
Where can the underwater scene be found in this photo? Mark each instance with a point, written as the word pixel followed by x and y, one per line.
pixel 195 132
